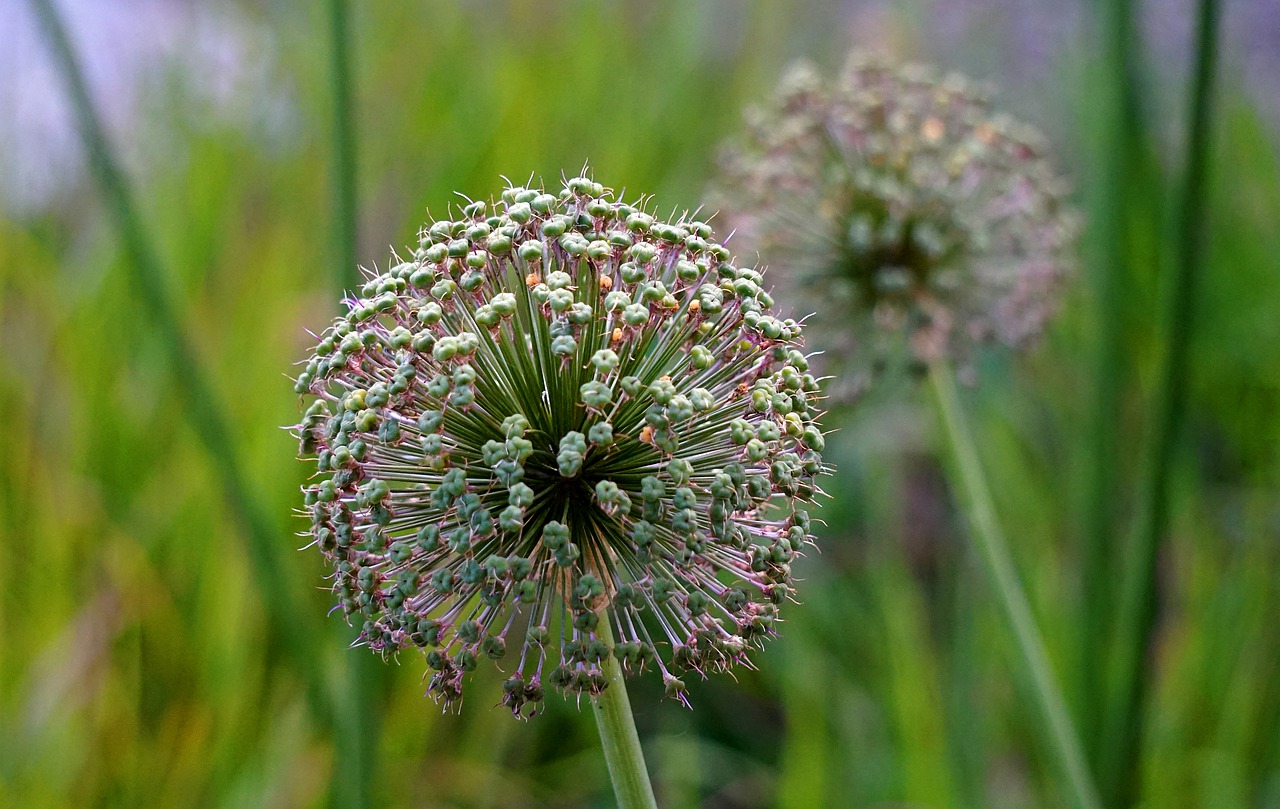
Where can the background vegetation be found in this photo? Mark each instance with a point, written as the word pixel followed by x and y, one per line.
pixel 145 658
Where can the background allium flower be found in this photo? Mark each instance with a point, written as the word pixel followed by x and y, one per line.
pixel 899 206
pixel 562 412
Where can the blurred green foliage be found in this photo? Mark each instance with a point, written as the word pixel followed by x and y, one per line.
pixel 136 664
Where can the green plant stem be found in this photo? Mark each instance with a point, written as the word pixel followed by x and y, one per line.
pixel 994 550
pixel 618 735
pixel 1138 606
pixel 203 408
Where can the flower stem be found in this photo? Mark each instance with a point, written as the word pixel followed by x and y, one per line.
pixel 994 549
pixel 618 736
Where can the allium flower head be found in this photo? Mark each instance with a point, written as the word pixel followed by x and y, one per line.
pixel 898 205
pixel 562 412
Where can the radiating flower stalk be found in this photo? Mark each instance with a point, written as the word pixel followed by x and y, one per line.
pixel 919 224
pixel 569 439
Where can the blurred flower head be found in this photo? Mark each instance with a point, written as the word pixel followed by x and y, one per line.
pixel 562 416
pixel 897 205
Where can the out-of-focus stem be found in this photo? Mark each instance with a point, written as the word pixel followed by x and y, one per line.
pixel 975 499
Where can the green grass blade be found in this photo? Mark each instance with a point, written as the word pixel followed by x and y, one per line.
pixel 1138 607
pixel 1111 288
pixel 356 742
pixel 344 145
pixel 290 623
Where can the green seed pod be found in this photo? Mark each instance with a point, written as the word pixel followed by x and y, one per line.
pixel 564 346
pixel 605 360
pixel 520 212
pixel 532 250
pixel 601 434
pixel 596 394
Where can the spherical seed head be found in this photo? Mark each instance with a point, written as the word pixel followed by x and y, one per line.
pixel 531 429
pixel 897 205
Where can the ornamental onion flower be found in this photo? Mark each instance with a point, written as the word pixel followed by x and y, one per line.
pixel 897 204
pixel 563 412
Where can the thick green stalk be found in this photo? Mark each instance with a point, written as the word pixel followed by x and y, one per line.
pixel 1059 733
pixel 207 416
pixel 1138 606
pixel 618 735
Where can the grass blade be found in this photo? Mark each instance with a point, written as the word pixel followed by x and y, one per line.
pixel 1138 607
pixel 1122 155
pixel 357 736
pixel 344 145
pixel 289 621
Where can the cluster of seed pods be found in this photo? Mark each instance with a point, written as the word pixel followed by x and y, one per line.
pixel 564 430
pixel 918 222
